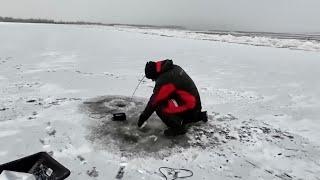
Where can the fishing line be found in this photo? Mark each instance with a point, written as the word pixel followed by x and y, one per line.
pixel 137 86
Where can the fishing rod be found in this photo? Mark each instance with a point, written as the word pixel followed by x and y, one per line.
pixel 140 81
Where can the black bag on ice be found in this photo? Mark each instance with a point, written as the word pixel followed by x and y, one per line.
pixel 41 165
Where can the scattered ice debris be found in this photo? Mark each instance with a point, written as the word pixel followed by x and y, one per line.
pixel 49 102
pixel 42 141
pixel 284 176
pixel 228 117
pixel 120 172
pixel 34 113
pixel 85 73
pixel 93 172
pixel 111 75
pixel 154 137
pixel 143 125
pixel 31 101
pixel 51 153
pixel 81 159
pixel 18 67
pixel 269 171
pixel 3 109
pixel 50 131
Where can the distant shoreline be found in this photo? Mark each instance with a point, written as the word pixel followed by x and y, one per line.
pixel 300 36
pixel 50 21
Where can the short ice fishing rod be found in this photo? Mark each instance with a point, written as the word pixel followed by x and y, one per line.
pixel 140 81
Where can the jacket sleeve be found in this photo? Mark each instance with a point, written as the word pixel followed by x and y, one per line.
pixel 161 93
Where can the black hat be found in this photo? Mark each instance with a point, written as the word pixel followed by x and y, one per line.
pixel 151 70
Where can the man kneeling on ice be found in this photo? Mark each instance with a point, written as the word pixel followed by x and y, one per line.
pixel 175 97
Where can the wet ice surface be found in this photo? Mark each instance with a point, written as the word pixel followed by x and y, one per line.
pixel 129 139
pixel 126 139
pixel 222 135
pixel 126 135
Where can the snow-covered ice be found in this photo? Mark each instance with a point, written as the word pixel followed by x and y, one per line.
pixel 291 41
pixel 263 103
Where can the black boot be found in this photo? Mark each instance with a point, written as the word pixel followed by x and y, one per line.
pixel 203 116
pixel 174 131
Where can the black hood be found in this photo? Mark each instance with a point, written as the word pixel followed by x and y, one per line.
pixel 154 69
pixel 166 65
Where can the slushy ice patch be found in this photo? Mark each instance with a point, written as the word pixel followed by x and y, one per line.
pixel 125 135
pixel 127 138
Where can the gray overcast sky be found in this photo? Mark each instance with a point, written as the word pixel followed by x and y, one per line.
pixel 250 15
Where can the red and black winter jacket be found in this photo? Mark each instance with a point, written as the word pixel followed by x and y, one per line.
pixel 173 83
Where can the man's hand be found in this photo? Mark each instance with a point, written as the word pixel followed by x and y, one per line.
pixel 142 119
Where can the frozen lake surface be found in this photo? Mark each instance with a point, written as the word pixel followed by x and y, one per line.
pixel 59 85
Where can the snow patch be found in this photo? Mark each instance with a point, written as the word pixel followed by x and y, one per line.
pixel 55 89
pixel 8 133
pixel 3 153
pixel 307 128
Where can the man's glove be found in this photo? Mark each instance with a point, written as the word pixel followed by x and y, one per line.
pixel 142 119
